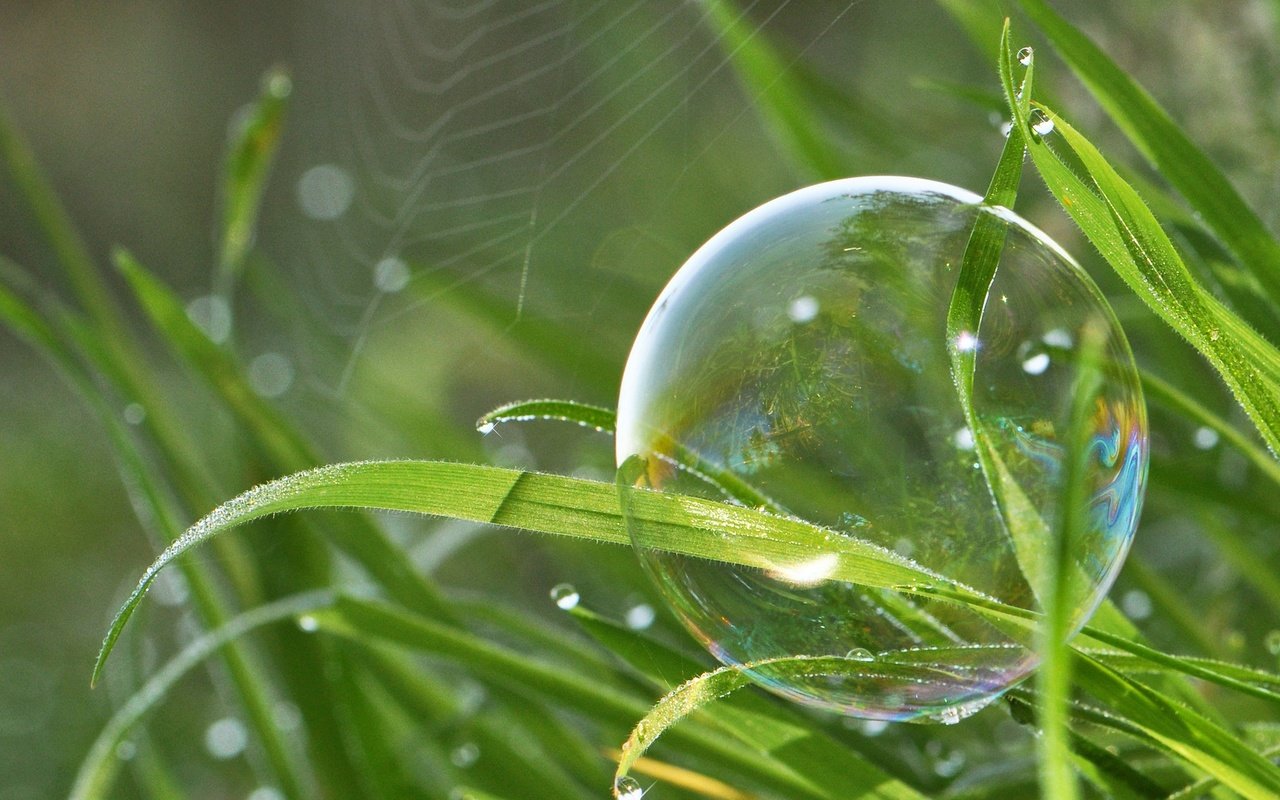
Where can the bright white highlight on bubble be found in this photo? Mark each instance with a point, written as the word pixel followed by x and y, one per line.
pixel 325 192
pixel 803 309
pixel 1036 364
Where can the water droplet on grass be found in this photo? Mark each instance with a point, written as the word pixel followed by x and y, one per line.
pixel 390 275
pixel 565 596
pixel 627 788
pixel 640 617
pixel 1205 438
pixel 1025 56
pixel 860 654
pixel 226 738
pixel 1040 123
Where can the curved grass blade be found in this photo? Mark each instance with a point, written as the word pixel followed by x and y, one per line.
pixel 1124 231
pixel 367 621
pixel 588 416
pixel 1168 149
pixel 771 729
pixel 93 779
pixel 551 504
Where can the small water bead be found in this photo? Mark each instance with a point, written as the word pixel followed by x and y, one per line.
pixel 1205 438
pixel 1025 56
pixel 565 596
pixel 847 416
pixel 640 617
pixel 1041 124
pixel 627 788
pixel 1273 642
pixel 860 654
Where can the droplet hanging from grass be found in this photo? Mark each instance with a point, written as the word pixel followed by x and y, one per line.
pixel 800 363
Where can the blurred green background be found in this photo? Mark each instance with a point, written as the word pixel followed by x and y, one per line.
pixel 459 188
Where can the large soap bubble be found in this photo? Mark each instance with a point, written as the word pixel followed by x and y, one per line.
pixel 801 360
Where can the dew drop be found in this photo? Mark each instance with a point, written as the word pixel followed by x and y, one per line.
pixel 565 596
pixel 464 755
pixel 963 439
pixel 627 788
pixel 390 275
pixel 1006 128
pixel 1272 642
pixel 325 191
pixel 134 414
pixel 1205 438
pixel 640 617
pixel 265 793
pixel 212 315
pixel 1025 56
pixel 1136 604
pixel 1041 125
pixel 226 738
pixel 860 654
pixel 126 750
pixel 308 624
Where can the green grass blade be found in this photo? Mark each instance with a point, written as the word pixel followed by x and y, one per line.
pixel 95 774
pixel 775 93
pixel 551 504
pixel 365 621
pixel 1168 149
pixel 1184 404
pixel 1120 226
pixel 280 443
pixel 244 175
pixel 1058 780
pixel 596 417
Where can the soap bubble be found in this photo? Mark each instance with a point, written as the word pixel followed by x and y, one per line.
pixel 847 416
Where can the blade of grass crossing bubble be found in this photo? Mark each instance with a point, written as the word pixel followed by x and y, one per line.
pixel 1058 780
pixel 1132 242
pixel 761 725
pixel 552 504
pixel 1165 145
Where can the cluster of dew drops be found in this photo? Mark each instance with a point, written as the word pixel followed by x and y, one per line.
pixel 1041 125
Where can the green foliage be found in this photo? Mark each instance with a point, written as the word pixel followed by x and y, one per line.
pixel 391 669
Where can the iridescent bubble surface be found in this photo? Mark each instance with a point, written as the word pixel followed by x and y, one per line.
pixel 802 356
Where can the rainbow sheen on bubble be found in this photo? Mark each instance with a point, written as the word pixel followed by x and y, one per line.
pixel 800 361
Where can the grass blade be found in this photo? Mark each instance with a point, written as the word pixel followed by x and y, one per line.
pixel 1168 149
pixel 93 779
pixel 588 416
pixel 1124 231
pixel 547 503
pixel 248 164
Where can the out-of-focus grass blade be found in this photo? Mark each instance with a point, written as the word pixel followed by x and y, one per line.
pixel 367 621
pixel 1184 404
pixel 94 777
pixel 248 163
pixel 1179 730
pixel 279 441
pixel 1168 149
pixel 1111 774
pixel 552 504
pixel 596 417
pixel 1124 231
pixel 1057 778
pixel 776 96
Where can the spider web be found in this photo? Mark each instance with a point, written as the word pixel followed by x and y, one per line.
pixel 561 157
